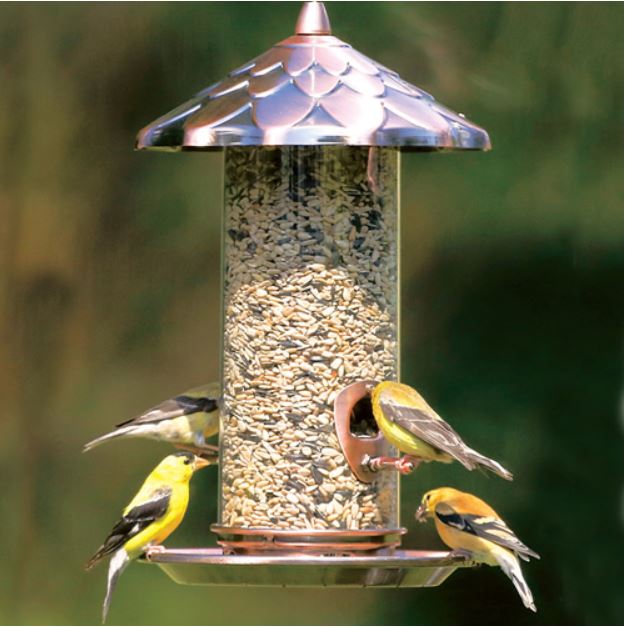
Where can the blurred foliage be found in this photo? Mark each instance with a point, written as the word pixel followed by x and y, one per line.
pixel 512 293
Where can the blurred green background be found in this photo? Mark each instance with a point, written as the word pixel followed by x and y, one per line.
pixel 512 294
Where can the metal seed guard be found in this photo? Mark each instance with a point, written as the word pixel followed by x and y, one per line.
pixel 311 132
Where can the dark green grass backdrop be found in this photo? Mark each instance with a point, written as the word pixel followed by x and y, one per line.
pixel 512 293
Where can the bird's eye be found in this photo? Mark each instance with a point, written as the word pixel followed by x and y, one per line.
pixel 187 461
pixel 427 498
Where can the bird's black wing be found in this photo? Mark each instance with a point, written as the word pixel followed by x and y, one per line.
pixel 430 428
pixel 133 522
pixel 173 408
pixel 487 527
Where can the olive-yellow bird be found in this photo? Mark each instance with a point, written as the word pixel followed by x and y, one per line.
pixel 155 512
pixel 473 529
pixel 186 420
pixel 409 423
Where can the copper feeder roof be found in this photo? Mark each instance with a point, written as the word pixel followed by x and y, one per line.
pixel 312 89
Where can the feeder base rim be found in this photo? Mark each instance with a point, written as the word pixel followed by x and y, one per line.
pixel 402 569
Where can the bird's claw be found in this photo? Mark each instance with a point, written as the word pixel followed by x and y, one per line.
pixel 373 463
pixel 208 451
pixel 461 553
pixel 403 465
pixel 406 465
pixel 155 549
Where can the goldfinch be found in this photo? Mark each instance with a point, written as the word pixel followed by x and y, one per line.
pixel 185 420
pixel 157 510
pixel 409 423
pixel 474 530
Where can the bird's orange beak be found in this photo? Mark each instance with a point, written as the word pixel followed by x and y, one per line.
pixel 421 513
pixel 201 462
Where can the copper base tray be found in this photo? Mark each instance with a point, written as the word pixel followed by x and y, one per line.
pixel 340 542
pixel 402 569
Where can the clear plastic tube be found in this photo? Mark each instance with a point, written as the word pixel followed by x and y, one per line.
pixel 310 304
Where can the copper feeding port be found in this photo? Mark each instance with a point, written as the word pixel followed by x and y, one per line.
pixel 357 431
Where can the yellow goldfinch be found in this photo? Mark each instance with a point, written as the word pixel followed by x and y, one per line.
pixel 157 509
pixel 186 420
pixel 473 529
pixel 409 423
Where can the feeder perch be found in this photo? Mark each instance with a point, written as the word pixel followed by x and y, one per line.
pixel 312 132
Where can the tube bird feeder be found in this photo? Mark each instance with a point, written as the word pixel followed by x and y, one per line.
pixel 312 132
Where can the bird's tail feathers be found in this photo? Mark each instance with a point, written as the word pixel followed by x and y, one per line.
pixel 489 464
pixel 95 558
pixel 118 433
pixel 512 569
pixel 117 565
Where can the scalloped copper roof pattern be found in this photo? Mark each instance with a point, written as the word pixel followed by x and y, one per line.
pixel 312 89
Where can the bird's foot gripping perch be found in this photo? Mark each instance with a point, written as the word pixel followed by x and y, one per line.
pixel 154 549
pixel 404 465
pixel 209 452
